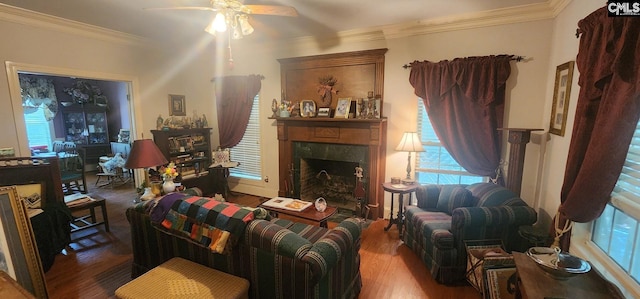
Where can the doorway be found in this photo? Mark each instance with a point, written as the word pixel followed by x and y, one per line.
pixel 128 110
pixel 80 112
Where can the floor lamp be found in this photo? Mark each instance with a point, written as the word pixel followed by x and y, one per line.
pixel 144 154
pixel 410 143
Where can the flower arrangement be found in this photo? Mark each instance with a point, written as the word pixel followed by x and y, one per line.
pixel 83 92
pixel 169 172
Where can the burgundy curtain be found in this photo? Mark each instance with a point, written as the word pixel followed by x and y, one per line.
pixel 464 99
pixel 234 99
pixel 606 115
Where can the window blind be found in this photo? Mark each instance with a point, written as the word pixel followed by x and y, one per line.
pixel 38 128
pixel 626 193
pixel 247 152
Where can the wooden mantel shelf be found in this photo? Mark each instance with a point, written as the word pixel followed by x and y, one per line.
pixel 329 120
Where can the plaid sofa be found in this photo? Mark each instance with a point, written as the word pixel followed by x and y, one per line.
pixel 280 258
pixel 446 216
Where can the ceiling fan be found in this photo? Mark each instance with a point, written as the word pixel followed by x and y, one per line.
pixel 234 14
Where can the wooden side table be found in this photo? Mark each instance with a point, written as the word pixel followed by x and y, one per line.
pixel 399 190
pixel 533 282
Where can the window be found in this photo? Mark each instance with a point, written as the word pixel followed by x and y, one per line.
pixel 38 128
pixel 247 152
pixel 435 165
pixel 617 230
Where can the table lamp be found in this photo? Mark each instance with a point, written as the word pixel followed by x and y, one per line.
pixel 144 154
pixel 410 143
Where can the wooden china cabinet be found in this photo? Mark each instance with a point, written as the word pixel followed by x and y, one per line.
pixel 86 126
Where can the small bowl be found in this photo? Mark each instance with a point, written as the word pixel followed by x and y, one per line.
pixel 561 265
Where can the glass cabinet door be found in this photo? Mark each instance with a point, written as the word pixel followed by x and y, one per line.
pixel 97 128
pixel 74 125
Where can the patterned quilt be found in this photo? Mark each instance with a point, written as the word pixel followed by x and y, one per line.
pixel 214 224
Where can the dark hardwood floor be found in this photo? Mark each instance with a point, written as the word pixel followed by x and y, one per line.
pixel 97 263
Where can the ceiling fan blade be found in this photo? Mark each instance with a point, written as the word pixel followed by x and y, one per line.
pixel 275 10
pixel 264 29
pixel 183 8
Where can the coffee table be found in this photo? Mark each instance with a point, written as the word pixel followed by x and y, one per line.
pixel 310 213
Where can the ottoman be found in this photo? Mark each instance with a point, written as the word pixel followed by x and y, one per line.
pixel 180 278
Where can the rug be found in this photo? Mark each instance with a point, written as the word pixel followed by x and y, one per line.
pixel 343 214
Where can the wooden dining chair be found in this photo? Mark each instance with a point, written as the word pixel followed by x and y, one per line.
pixel 72 162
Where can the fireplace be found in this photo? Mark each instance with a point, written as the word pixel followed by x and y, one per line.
pixel 328 170
pixel 318 157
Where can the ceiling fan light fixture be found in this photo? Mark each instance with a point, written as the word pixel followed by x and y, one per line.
pixel 209 29
pixel 237 33
pixel 245 25
pixel 219 23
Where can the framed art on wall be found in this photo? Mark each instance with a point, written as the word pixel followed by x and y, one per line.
pixel 561 95
pixel 18 252
pixel 177 105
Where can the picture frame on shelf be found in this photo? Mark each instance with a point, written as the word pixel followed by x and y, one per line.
pixel 324 112
pixel 307 108
pixel 342 108
pixel 18 246
pixel 177 105
pixel 561 96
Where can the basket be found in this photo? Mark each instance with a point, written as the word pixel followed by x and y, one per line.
pixel 483 255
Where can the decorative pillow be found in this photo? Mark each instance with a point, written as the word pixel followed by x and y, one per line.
pixel 427 196
pixel 452 197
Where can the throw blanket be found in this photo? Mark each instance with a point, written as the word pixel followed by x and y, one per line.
pixel 214 224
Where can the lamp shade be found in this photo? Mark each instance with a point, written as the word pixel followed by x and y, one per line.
pixel 410 143
pixel 144 153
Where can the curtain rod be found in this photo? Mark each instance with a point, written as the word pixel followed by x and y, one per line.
pixel 214 78
pixel 513 57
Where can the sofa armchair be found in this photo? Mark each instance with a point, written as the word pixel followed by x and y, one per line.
pixel 447 216
pixel 280 258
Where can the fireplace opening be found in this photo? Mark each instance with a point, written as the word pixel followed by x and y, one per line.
pixel 328 170
pixel 335 181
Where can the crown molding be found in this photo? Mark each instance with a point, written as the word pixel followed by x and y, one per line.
pixel 39 20
pixel 504 16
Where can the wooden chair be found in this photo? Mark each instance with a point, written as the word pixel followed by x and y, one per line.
pixel 72 162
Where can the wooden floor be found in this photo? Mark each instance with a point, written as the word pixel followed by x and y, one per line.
pixel 97 263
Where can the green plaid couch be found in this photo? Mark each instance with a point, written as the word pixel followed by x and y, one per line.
pixel 446 216
pixel 280 258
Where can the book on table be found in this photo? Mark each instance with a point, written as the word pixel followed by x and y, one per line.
pixel 287 203
pixel 76 199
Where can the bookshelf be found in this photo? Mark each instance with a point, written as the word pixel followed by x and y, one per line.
pixel 188 149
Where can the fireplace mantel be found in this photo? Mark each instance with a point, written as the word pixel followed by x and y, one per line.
pixel 367 132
